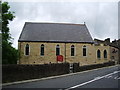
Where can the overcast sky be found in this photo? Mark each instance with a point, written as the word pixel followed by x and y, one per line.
pixel 101 18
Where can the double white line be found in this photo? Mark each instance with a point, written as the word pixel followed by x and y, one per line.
pixel 95 79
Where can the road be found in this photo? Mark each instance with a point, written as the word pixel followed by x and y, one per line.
pixel 100 78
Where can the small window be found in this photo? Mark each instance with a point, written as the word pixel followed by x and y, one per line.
pixel 72 50
pixel 84 51
pixel 57 50
pixel 105 54
pixel 42 50
pixel 27 49
pixel 98 54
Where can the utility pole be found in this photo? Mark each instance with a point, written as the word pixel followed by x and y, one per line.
pixel 119 51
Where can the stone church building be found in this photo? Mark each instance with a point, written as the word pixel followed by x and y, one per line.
pixel 42 43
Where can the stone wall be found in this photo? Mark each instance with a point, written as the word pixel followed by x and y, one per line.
pixel 114 54
pixel 102 47
pixel 65 50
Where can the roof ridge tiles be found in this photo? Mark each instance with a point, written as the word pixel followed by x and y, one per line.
pixel 53 23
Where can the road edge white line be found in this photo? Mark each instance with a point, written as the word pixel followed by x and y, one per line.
pixel 95 79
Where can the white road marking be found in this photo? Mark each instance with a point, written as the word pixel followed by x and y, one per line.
pixel 95 79
pixel 116 71
pixel 109 77
pixel 59 89
pixel 115 77
pixel 118 78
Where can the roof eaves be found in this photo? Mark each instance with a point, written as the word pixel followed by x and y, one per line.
pixel 56 41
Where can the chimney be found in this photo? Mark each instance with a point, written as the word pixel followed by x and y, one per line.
pixel 84 23
pixel 107 41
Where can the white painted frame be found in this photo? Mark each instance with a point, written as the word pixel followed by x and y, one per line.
pixel 97 54
pixel 40 51
pixel 25 50
pixel 86 50
pixel 74 51
pixel 59 48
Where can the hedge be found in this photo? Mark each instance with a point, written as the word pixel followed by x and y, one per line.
pixel 77 68
pixel 11 73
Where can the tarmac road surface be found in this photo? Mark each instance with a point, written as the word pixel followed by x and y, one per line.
pixel 107 77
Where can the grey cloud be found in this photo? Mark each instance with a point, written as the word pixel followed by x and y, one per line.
pixel 106 24
pixel 100 18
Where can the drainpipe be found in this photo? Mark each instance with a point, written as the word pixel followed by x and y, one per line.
pixel 65 52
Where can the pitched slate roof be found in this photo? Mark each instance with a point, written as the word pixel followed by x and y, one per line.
pixel 55 32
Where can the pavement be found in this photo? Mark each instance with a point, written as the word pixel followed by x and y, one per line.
pixel 107 77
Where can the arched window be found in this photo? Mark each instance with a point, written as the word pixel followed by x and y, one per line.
pixel 27 49
pixel 72 50
pixel 105 54
pixel 84 51
pixel 42 50
pixel 98 54
pixel 57 50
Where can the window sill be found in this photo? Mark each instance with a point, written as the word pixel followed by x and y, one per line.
pixel 72 56
pixel 105 59
pixel 26 55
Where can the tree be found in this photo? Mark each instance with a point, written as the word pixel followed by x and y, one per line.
pixel 9 54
